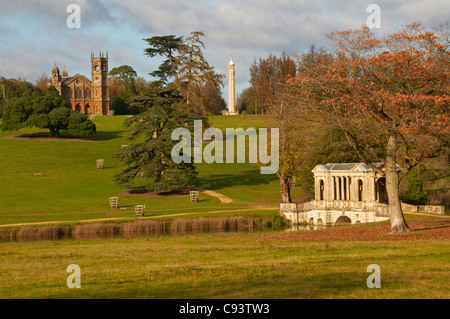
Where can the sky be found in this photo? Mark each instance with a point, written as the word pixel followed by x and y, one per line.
pixel 34 34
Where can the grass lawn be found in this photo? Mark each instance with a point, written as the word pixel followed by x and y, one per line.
pixel 71 188
pixel 329 263
pixel 255 265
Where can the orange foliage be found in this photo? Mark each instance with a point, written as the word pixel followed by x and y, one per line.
pixel 372 89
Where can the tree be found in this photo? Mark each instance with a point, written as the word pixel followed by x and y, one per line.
pixel 267 75
pixel 212 101
pixel 165 46
pixel 12 88
pixel 416 195
pixel 42 82
pixel 389 97
pixel 194 72
pixel 151 154
pixel 126 75
pixel 192 76
pixel 268 78
pixel 245 101
pixel 49 111
pixel 124 84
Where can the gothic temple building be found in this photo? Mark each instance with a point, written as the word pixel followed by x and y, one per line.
pixel 84 95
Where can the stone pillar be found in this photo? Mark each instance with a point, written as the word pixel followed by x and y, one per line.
pixel 231 89
pixel 329 188
pixel 333 188
pixel 316 188
pixel 349 197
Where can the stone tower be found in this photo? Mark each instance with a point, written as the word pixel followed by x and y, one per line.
pixel 81 94
pixel 100 82
pixel 231 89
pixel 56 76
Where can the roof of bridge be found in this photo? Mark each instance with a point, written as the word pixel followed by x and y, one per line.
pixel 348 167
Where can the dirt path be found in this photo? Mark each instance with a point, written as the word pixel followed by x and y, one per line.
pixel 223 199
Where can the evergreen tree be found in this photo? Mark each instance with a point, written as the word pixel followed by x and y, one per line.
pixel 416 195
pixel 165 46
pixel 151 154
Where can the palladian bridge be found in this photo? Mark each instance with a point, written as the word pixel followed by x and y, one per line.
pixel 347 193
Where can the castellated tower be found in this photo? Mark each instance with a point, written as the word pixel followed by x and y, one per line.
pixel 100 87
pixel 81 94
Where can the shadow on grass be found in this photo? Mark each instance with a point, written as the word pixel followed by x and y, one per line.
pixel 428 228
pixel 107 135
pixel 250 177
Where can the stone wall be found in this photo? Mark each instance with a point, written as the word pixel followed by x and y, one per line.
pixel 429 209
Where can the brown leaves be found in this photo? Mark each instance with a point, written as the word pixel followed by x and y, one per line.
pixel 396 84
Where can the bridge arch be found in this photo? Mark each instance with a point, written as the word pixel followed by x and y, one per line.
pixel 342 220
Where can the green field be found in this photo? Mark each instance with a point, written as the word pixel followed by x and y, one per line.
pixel 71 188
pixel 258 265
pixel 330 263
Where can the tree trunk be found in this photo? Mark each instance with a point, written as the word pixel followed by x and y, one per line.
pixel 398 223
pixel 4 94
pixel 285 183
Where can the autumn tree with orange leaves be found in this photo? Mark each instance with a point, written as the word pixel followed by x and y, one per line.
pixel 389 97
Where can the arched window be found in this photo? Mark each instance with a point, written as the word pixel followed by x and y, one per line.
pixel 321 187
pixel 78 93
pixel 381 190
pixel 68 93
pixel 360 190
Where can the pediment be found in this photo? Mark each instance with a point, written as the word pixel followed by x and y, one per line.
pixel 361 168
pixel 80 78
pixel 320 169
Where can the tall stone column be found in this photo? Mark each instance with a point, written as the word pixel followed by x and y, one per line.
pixel 349 196
pixel 335 196
pixel 231 89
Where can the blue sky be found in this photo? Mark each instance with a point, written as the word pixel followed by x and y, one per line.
pixel 34 34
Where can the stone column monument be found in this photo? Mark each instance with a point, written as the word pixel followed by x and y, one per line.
pixel 231 91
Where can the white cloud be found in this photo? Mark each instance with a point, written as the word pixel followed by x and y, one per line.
pixel 245 29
